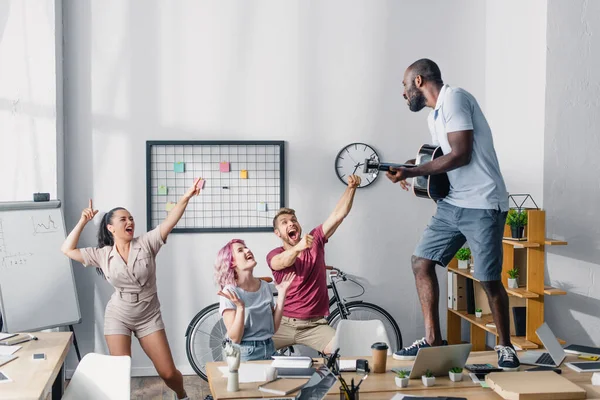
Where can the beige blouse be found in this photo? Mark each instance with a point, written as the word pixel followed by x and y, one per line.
pixel 135 280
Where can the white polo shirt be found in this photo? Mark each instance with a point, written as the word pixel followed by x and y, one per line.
pixel 478 184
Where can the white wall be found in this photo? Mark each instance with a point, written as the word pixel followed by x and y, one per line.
pixel 318 75
pixel 515 83
pixel 28 99
pixel 571 190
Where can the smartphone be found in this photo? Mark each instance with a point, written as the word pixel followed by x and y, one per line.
pixel 39 356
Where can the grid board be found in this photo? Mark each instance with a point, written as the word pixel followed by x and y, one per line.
pixel 228 202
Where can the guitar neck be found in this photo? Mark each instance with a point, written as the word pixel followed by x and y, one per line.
pixel 387 166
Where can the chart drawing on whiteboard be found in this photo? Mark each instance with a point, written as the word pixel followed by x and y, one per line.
pixel 46 225
pixel 9 259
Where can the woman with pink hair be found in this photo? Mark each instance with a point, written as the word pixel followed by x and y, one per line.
pixel 246 302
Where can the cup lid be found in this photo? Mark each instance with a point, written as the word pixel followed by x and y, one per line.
pixel 379 346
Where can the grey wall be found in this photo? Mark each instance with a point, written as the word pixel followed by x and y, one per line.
pixel 571 167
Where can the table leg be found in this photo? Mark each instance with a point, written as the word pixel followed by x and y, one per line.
pixel 58 386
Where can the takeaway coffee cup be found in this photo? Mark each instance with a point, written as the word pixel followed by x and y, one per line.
pixel 379 351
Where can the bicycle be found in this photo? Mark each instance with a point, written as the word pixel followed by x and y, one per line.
pixel 206 331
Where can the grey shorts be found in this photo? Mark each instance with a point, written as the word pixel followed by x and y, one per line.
pixel 451 226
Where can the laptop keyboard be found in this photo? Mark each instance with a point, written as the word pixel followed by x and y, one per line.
pixel 545 359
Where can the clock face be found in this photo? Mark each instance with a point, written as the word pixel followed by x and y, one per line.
pixel 351 161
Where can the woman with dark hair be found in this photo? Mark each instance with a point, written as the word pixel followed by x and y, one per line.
pixel 129 264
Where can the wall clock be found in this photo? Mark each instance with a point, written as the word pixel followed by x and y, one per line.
pixel 351 160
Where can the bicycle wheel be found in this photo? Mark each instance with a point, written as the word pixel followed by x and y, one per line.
pixel 362 311
pixel 204 339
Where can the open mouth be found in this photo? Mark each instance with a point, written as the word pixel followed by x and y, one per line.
pixel 250 257
pixel 293 234
pixel 129 230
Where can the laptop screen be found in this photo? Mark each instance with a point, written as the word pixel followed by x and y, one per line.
pixel 551 343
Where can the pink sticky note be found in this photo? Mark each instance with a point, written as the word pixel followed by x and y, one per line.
pixel 224 166
pixel 200 183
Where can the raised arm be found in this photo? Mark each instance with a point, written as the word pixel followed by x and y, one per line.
pixel 288 258
pixel 234 319
pixel 175 214
pixel 342 208
pixel 69 246
pixel 282 289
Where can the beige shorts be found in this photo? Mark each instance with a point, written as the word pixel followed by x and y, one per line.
pixel 314 333
pixel 141 318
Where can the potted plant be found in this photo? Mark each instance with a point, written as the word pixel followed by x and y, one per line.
pixel 463 255
pixel 478 312
pixel 402 378
pixel 513 274
pixel 428 379
pixel 455 374
pixel 517 221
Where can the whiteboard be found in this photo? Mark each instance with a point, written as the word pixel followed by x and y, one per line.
pixel 37 286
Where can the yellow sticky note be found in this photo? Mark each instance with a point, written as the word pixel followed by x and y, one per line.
pixel 244 174
pixel 170 205
pixel 162 190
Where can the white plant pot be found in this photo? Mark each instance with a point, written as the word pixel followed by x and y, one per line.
pixel 478 314
pixel 402 382
pixel 512 283
pixel 463 264
pixel 428 381
pixel 455 376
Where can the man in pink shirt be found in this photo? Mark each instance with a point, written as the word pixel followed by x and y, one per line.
pixel 307 301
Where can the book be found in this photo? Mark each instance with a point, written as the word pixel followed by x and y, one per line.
pixel 582 350
pixel 295 372
pixel 282 386
pixel 20 338
pixel 292 362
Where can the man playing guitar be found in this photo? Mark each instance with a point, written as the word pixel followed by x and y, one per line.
pixel 474 210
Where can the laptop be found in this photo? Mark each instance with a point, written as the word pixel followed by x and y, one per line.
pixel 440 359
pixel 552 358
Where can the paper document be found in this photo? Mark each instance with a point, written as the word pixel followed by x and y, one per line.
pixel 347 365
pixel 8 350
pixel 248 373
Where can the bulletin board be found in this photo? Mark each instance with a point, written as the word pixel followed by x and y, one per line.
pixel 242 184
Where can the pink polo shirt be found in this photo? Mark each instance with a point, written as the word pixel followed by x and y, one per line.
pixel 307 296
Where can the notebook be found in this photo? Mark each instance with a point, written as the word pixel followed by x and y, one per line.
pixel 582 350
pixel 295 372
pixel 20 338
pixel 282 386
pixel 4 336
pixel 291 362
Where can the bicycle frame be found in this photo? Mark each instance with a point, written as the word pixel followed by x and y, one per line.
pixel 337 299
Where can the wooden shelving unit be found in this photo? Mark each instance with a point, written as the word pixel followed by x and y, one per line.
pixel 528 256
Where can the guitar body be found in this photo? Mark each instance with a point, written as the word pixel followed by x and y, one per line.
pixel 435 187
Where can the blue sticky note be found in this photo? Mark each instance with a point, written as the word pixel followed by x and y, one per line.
pixel 179 166
pixel 262 207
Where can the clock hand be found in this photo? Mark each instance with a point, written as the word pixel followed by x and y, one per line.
pixel 353 160
pixel 355 168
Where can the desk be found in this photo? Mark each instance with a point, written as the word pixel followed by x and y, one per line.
pixel 32 379
pixel 382 386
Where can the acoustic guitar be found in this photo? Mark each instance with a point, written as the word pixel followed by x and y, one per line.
pixel 434 187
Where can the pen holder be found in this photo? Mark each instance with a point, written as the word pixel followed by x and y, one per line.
pixel 348 395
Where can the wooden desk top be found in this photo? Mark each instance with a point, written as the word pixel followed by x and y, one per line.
pixel 383 386
pixel 32 379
